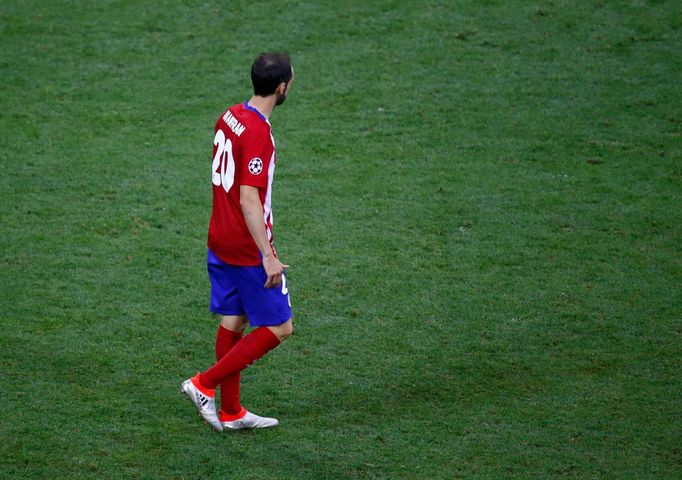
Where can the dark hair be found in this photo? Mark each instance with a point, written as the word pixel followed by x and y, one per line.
pixel 268 71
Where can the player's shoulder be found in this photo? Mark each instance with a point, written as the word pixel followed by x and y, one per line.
pixel 244 123
pixel 254 121
pixel 249 114
pixel 256 129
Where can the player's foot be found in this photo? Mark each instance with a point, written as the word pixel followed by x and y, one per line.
pixel 203 400
pixel 246 419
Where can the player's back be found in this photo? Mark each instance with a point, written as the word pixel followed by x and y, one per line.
pixel 243 154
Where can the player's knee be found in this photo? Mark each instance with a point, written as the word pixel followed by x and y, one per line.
pixel 235 323
pixel 285 330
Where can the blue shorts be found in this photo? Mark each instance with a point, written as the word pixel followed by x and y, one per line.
pixel 239 290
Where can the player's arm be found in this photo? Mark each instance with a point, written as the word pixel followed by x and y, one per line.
pixel 253 214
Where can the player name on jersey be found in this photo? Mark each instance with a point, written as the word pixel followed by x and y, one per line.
pixel 233 123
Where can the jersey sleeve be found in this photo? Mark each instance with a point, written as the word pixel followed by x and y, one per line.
pixel 257 153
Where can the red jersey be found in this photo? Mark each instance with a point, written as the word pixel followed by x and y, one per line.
pixel 243 154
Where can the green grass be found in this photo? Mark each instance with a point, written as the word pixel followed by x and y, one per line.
pixel 480 202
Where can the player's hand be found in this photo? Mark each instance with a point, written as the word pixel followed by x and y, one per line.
pixel 273 268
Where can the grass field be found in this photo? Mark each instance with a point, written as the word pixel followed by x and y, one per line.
pixel 481 204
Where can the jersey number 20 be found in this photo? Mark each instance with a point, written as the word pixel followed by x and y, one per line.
pixel 223 161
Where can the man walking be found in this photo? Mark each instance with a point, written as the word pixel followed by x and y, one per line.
pixel 248 283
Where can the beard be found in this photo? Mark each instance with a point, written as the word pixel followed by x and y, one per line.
pixel 280 99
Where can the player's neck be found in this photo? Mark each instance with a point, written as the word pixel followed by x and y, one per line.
pixel 265 105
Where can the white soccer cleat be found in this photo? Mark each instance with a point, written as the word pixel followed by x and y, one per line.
pixel 248 420
pixel 204 403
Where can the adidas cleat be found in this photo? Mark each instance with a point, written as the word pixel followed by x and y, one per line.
pixel 204 402
pixel 246 419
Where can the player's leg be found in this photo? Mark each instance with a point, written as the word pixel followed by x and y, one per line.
pixel 249 349
pixel 269 311
pixel 230 332
pixel 234 323
pixel 224 301
pixel 283 331
pixel 254 345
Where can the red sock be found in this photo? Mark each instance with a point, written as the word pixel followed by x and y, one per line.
pixel 229 388
pixel 248 350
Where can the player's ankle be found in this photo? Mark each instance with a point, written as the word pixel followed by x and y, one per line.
pixel 196 381
pixel 231 417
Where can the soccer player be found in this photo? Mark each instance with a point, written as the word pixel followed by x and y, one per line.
pixel 248 283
